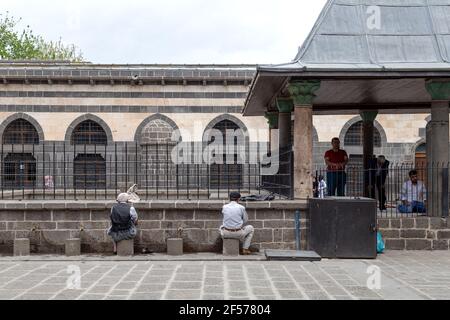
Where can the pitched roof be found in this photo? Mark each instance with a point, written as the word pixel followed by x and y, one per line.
pixel 376 35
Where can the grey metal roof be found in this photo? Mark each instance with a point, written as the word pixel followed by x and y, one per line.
pixel 412 35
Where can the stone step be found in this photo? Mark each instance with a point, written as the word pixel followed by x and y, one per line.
pixel 231 247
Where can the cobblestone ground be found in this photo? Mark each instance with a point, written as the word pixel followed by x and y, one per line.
pixel 404 275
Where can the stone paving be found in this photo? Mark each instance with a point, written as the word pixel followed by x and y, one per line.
pixel 404 275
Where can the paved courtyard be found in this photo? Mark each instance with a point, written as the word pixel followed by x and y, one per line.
pixel 404 275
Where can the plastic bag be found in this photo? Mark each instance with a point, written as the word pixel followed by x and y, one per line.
pixel 132 192
pixel 380 243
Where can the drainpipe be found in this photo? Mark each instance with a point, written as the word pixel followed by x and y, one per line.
pixel 297 230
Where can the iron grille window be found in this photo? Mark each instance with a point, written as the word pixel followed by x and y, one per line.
pixel 19 170
pixel 89 171
pixel 226 175
pixel 89 133
pixel 354 136
pixel 20 132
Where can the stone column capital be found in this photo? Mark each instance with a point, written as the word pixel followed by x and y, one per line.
pixel 303 92
pixel 285 105
pixel 439 89
pixel 369 115
pixel 272 119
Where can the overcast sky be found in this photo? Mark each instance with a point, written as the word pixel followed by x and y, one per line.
pixel 173 31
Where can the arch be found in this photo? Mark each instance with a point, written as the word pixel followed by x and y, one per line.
pixel 231 118
pixel 140 130
pixel 91 117
pixel 357 119
pixel 24 116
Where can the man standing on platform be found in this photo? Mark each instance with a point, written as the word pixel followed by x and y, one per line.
pixel 336 160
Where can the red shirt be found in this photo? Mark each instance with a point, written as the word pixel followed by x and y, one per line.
pixel 336 157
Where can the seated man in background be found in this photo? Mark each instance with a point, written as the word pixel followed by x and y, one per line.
pixel 414 195
pixel 234 218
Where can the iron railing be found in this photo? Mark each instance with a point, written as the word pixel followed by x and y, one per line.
pixel 59 171
pixel 371 183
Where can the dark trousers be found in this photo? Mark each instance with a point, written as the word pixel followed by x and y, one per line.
pixel 381 189
pixel 336 182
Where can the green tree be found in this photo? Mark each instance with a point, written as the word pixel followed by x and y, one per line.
pixel 25 45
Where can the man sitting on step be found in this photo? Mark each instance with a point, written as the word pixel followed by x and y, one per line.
pixel 234 218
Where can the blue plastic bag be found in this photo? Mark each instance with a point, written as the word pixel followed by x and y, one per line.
pixel 380 243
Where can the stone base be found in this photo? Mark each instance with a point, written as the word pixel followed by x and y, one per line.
pixel 125 248
pixel 175 247
pixel 21 247
pixel 231 247
pixel 73 247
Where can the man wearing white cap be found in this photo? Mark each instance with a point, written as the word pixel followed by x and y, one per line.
pixel 124 219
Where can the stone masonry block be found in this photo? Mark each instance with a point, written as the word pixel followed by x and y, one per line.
pixel 12 216
pixel 125 248
pixel 383 223
pixel 418 244
pixel 279 224
pixel 395 223
pixel 422 223
pixel 73 247
pixel 413 234
pixel 390 233
pixel 438 223
pixel 407 223
pixel 21 247
pixel 75 216
pixel 175 247
pixel 263 235
pixel 38 216
pixel 395 244
pixel 443 234
pixel 55 237
pixel 231 247
pixel 269 214
pixel 440 245
pixel 179 215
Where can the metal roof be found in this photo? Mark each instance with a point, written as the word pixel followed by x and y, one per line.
pixel 376 35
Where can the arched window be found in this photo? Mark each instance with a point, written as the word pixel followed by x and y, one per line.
pixel 156 150
pixel 89 133
pixel 20 131
pixel 227 175
pixel 354 136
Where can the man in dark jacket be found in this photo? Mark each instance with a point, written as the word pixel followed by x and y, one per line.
pixel 378 173
pixel 124 219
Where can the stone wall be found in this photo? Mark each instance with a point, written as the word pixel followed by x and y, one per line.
pixel 49 224
pixel 421 233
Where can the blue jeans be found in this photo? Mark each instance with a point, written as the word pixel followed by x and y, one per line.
pixel 336 181
pixel 414 207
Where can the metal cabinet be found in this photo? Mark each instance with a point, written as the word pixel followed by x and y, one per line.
pixel 343 228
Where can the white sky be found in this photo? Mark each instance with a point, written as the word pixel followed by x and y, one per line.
pixel 173 31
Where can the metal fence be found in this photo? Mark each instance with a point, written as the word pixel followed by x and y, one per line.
pixel 59 171
pixel 391 185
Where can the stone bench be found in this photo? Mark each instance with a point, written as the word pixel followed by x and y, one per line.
pixel 73 247
pixel 231 247
pixel 175 247
pixel 21 247
pixel 125 248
